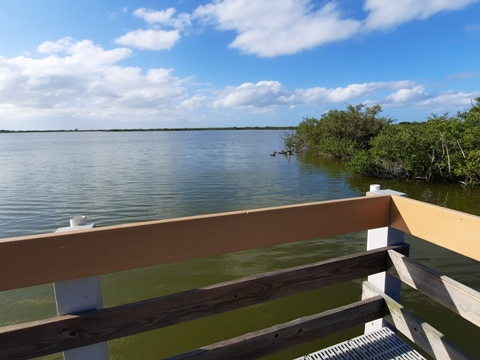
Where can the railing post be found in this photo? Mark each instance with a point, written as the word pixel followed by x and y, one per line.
pixel 378 238
pixel 80 295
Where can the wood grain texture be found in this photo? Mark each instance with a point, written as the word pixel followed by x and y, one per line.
pixel 35 260
pixel 67 332
pixel 271 340
pixel 432 341
pixel 453 230
pixel 450 293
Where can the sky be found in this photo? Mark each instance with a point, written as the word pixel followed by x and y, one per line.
pixel 124 64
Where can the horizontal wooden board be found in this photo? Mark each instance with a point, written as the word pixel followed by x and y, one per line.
pixel 276 338
pixel 70 331
pixel 35 260
pixel 453 230
pixel 450 293
pixel 432 341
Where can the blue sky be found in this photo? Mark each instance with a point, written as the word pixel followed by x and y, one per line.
pixel 91 64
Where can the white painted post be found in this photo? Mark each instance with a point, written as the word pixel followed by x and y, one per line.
pixel 378 238
pixel 80 295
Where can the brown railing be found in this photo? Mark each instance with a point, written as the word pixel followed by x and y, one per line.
pixel 34 260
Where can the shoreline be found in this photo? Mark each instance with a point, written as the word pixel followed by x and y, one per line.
pixel 157 129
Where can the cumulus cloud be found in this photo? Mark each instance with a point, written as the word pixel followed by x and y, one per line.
pixel 152 16
pixel 384 14
pixel 52 47
pixel 447 100
pixel 290 27
pixel 77 55
pixel 265 94
pixel 437 102
pixel 156 38
pixel 149 39
pixel 81 79
pixel 259 95
pixel 403 96
pixel 164 17
pixel 193 102
pixel 343 94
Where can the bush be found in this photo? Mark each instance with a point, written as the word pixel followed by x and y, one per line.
pixel 293 142
pixel 399 151
pixel 441 149
pixel 343 133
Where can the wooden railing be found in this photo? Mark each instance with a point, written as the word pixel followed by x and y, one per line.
pixel 34 260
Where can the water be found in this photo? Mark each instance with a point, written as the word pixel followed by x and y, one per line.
pixel 136 176
pixel 126 177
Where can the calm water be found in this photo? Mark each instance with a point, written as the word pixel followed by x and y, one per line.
pixel 126 177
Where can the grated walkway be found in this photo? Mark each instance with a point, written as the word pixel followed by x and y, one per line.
pixel 382 344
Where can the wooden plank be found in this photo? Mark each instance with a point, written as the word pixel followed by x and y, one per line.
pixel 70 331
pixel 432 341
pixel 453 230
pixel 271 340
pixel 50 258
pixel 450 293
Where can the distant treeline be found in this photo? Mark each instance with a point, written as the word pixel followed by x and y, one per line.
pixel 160 129
pixel 442 149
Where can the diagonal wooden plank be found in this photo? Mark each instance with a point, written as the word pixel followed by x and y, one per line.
pixel 432 341
pixel 450 293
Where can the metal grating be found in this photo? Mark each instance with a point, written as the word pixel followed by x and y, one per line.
pixel 382 344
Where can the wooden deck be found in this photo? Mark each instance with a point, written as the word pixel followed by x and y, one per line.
pixel 73 256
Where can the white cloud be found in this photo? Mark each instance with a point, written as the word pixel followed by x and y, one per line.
pixel 156 38
pixel 84 80
pixel 403 96
pixel 149 39
pixel 268 29
pixel 79 56
pixel 52 47
pixel 384 14
pixel 194 102
pixel 342 94
pixel 260 95
pixel 164 17
pixel 284 27
pixel 449 100
pixel 265 94
pixel 152 16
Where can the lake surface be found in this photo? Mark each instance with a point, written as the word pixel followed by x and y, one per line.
pixel 125 177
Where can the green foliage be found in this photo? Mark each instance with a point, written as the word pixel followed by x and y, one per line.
pixel 400 151
pixel 343 133
pixel 293 142
pixel 441 149
pixel 472 117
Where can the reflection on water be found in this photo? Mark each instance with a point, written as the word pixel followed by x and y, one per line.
pixel 128 177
